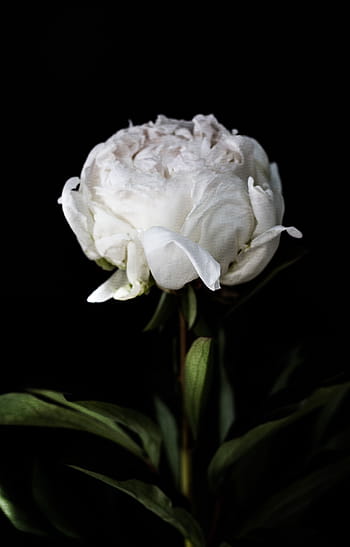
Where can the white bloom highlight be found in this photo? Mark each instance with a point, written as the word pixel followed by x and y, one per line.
pixel 172 201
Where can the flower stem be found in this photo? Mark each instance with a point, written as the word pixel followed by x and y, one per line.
pixel 185 454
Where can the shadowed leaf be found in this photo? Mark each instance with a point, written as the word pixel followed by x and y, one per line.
pixel 156 501
pixel 293 500
pixel 266 278
pixel 29 409
pixel 112 414
pixel 23 514
pixel 226 395
pixel 294 361
pixel 163 311
pixel 325 417
pixel 189 306
pixel 137 422
pixel 170 434
pixel 231 451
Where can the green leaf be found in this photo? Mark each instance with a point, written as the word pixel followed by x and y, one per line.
pixel 189 306
pixel 27 409
pixel 151 497
pixel 196 369
pixel 294 361
pixel 109 413
pixel 295 499
pixel 170 434
pixel 325 417
pixel 137 422
pixel 337 442
pixel 60 512
pixel 163 311
pixel 226 396
pixel 22 514
pixel 74 506
pixel 231 451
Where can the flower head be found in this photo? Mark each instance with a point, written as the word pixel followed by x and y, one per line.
pixel 172 201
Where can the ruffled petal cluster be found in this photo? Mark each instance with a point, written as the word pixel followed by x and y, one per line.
pixel 171 201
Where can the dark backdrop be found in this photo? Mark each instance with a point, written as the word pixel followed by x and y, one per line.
pixel 75 76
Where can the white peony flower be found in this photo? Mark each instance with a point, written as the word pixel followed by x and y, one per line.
pixel 172 201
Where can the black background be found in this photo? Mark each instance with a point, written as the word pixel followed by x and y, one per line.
pixel 74 76
pixel 77 75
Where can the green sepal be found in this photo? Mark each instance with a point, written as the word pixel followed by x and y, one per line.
pixel 105 265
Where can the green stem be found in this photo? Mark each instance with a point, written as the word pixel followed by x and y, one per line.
pixel 185 454
pixel 185 462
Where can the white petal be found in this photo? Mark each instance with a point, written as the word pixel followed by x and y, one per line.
pixel 90 160
pixel 273 232
pixel 250 263
pixel 137 269
pixel 262 202
pixel 276 183
pixel 113 248
pixel 124 285
pixel 221 220
pixel 111 235
pixel 174 260
pixel 276 186
pixel 78 217
pixel 253 260
pixel 107 290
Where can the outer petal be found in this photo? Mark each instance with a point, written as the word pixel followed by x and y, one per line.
pixel 78 217
pixel 137 269
pixel 221 220
pixel 111 235
pixel 277 191
pixel 118 287
pixel 107 290
pixel 262 202
pixel 175 260
pixel 101 149
pixel 273 232
pixel 124 285
pixel 255 257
